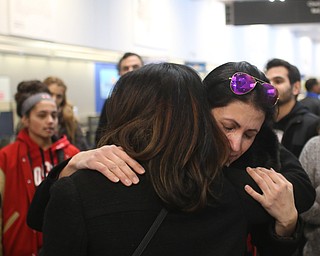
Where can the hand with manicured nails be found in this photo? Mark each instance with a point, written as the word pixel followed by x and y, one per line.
pixel 277 198
pixel 110 160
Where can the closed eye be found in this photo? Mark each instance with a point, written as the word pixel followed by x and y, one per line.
pixel 228 129
pixel 250 135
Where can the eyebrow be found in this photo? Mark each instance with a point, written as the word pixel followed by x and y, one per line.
pixel 46 111
pixel 238 125
pixel 277 77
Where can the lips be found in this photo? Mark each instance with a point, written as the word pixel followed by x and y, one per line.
pixel 49 129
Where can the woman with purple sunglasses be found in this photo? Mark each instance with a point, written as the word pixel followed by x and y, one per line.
pixel 271 184
pixel 244 106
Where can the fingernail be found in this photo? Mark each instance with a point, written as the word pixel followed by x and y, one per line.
pixel 127 181
pixel 142 171
pixel 116 179
pixel 135 180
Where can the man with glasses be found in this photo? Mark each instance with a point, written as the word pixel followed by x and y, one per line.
pixel 295 124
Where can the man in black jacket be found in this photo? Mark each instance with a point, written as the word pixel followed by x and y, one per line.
pixel 295 124
pixel 128 62
pixel 311 101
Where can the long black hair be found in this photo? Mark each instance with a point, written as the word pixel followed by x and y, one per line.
pixel 217 84
pixel 159 114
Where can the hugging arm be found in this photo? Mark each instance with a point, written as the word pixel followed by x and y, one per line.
pixel 285 193
pixel 262 224
pixel 64 227
pixel 268 243
pixel 297 181
pixel 41 197
pixel 111 161
pixel 276 198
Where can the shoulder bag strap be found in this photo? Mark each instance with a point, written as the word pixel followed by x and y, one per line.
pixel 155 225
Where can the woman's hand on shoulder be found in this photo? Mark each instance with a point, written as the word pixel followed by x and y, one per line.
pixel 109 160
pixel 277 198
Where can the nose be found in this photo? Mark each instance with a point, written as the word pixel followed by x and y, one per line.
pixel 235 142
pixel 50 119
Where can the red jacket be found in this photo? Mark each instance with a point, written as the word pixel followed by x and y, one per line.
pixel 24 165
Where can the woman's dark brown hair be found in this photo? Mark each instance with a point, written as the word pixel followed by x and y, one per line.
pixel 25 89
pixel 217 84
pixel 56 80
pixel 67 119
pixel 159 114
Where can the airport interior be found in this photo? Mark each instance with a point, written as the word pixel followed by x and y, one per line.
pixel 81 42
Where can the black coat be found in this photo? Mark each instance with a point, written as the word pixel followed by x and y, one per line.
pixel 266 151
pixel 102 122
pixel 87 215
pixel 298 127
pixel 313 104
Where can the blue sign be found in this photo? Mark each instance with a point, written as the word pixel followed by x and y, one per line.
pixel 106 75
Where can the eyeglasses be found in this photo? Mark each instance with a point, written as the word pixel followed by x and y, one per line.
pixel 243 83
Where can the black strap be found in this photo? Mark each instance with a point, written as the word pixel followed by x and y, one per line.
pixel 155 225
pixel 60 155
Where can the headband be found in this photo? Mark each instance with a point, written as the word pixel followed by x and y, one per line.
pixel 33 100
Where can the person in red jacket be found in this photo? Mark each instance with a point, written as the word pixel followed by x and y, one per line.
pixel 26 162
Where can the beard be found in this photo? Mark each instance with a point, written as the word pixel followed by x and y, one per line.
pixel 285 97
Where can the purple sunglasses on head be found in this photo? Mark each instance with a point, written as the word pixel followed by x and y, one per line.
pixel 243 83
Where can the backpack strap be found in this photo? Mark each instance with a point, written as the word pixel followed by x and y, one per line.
pixel 154 227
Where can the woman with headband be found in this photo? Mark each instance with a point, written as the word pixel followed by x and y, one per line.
pixel 243 105
pixel 26 162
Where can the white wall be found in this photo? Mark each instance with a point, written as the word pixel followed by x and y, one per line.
pixel 3 17
pixel 174 30
pixel 190 30
pixel 78 76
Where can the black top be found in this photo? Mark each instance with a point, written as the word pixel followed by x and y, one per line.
pixel 313 104
pixel 102 122
pixel 87 198
pixel 88 215
pixel 298 127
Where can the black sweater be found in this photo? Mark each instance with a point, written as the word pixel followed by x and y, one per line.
pixel 88 215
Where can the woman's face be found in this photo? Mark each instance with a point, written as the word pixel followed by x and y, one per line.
pixel 42 121
pixel 240 122
pixel 57 93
